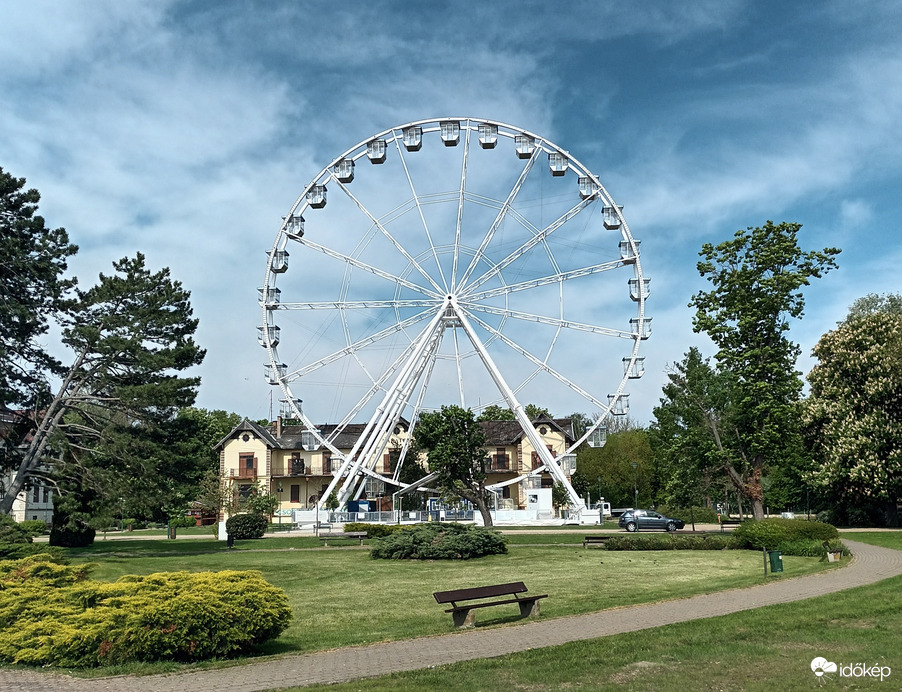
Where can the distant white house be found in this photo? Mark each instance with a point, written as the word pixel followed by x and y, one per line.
pixel 36 501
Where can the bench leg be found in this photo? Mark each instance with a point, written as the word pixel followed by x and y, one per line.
pixel 464 618
pixel 529 609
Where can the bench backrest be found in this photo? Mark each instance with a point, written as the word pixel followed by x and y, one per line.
pixel 480 592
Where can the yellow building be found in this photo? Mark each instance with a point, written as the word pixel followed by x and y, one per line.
pixel 289 462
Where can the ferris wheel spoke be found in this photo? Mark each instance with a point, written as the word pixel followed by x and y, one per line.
pixel 502 213
pixel 356 346
pixel 460 376
pixel 419 206
pixel 378 386
pixel 377 224
pixel 540 365
pixel 543 281
pixel 367 267
pixel 543 319
pixel 357 304
pixel 460 208
pixel 531 243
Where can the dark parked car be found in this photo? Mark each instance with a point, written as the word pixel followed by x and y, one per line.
pixel 647 519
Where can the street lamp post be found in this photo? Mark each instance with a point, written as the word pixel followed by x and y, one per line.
pixel 280 505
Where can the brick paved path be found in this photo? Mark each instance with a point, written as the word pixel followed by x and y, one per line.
pixel 870 564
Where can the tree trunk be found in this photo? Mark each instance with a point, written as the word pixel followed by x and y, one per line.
pixel 754 489
pixel 891 513
pixel 484 511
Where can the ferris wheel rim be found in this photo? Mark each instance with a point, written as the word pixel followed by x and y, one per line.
pixel 470 124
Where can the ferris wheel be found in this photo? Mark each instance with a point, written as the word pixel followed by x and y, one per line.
pixel 452 260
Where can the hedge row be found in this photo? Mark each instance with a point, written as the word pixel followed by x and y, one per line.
pixel 52 615
pixel 770 533
pixel 376 530
pixel 16 551
pixel 439 541
pixel 665 541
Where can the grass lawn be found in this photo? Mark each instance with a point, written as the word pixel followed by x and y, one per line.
pixel 760 650
pixel 885 539
pixel 341 597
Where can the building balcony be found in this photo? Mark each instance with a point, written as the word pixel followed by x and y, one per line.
pixel 499 464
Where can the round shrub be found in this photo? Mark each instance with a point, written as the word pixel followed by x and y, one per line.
pixel 245 526
pixel 770 533
pixel 12 532
pixel 439 541
pixel 33 527
pixel 51 616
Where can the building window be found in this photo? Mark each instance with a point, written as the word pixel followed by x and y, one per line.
pixel 296 493
pixel 46 495
pixel 36 496
pixel 327 462
pixel 247 465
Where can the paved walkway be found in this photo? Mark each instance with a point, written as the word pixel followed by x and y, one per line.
pixel 870 564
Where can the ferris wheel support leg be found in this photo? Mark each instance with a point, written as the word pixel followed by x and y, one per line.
pixel 515 406
pixel 389 408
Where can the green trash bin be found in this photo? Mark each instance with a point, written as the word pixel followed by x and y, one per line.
pixel 776 560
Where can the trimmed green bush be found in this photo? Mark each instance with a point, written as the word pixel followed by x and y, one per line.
pixel 439 541
pixel 664 541
pixel 183 522
pixel 16 551
pixel 809 548
pixel 33 527
pixel 376 530
pixel 12 532
pixel 51 615
pixel 245 526
pixel 702 515
pixel 770 533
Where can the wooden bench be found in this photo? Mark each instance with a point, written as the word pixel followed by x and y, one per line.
pixel 464 602
pixel 350 535
pixel 594 540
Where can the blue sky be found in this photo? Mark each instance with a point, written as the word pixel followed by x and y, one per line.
pixel 186 130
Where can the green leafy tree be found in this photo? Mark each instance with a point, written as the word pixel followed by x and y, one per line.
pixel 559 497
pixel 853 416
pixel 580 422
pixel 611 466
pixel 411 472
pixel 455 444
pixel 130 335
pixel 495 412
pixel 693 432
pixel 332 502
pixel 33 260
pixel 260 501
pixel 757 279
